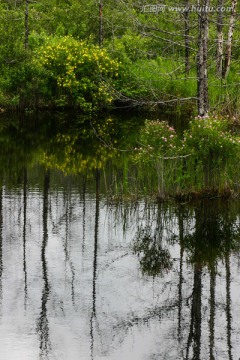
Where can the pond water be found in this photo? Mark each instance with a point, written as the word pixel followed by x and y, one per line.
pixel 86 276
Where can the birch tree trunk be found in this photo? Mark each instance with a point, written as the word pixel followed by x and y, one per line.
pixel 202 76
pixel 228 51
pixel 220 39
pixel 187 39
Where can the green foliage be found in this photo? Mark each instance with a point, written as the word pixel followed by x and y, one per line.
pixel 157 155
pixel 62 18
pixel 130 47
pixel 157 139
pixel 197 164
pixel 149 49
pixel 76 72
pixel 214 152
pixel 206 157
pixel 157 80
pixel 209 139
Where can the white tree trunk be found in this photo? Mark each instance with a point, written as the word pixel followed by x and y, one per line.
pixel 228 51
pixel 220 39
pixel 187 39
pixel 202 57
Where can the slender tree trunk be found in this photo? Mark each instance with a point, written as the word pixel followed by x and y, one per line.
pixel 100 22
pixel 26 24
pixel 228 51
pixel 202 57
pixel 220 39
pixel 187 40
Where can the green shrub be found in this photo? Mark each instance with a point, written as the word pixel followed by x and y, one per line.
pixel 206 157
pixel 209 139
pixel 214 152
pixel 77 73
pixel 157 139
pixel 157 156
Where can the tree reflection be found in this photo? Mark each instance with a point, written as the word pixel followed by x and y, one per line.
pixel 208 232
pixel 212 302
pixel 196 317
pixel 24 232
pixel 154 259
pixel 228 305
pixel 67 251
pixel 43 326
pixel 1 242
pixel 215 235
pixel 93 315
pixel 84 214
pixel 180 285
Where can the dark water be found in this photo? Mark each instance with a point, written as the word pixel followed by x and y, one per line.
pixel 83 277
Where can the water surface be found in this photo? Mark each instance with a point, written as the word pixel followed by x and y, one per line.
pixel 85 277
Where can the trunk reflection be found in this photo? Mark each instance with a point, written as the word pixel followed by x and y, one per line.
pixel 96 226
pixel 43 323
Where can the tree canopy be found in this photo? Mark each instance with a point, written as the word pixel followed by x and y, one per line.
pixel 148 55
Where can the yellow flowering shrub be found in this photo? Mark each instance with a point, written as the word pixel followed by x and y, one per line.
pixel 77 72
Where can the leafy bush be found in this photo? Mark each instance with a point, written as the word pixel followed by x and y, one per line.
pixel 129 47
pixel 209 139
pixel 214 153
pixel 157 139
pixel 75 72
pixel 157 155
